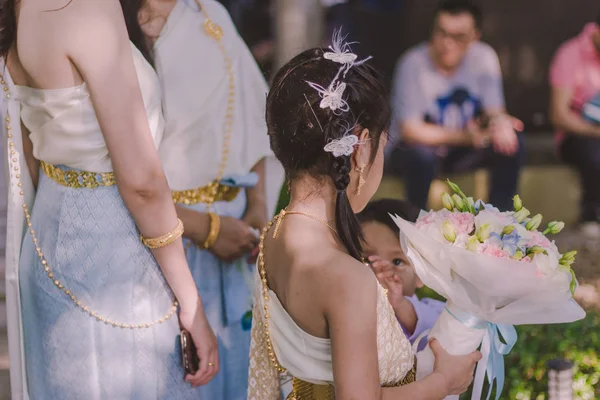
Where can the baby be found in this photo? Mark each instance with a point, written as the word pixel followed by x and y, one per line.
pixel 393 268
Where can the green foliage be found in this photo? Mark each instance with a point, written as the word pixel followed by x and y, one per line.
pixel 578 342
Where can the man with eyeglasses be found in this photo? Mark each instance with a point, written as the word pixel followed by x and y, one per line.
pixel 575 112
pixel 449 110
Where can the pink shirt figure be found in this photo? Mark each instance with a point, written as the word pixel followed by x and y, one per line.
pixel 576 67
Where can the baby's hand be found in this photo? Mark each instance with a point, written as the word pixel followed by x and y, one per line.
pixel 389 278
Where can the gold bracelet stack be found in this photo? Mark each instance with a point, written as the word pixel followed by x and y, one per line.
pixel 164 240
pixel 214 229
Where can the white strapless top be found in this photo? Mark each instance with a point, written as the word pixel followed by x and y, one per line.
pixel 308 358
pixel 63 124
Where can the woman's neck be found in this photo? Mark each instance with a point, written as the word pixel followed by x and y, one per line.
pixel 313 197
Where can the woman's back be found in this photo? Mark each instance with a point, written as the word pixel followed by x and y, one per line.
pixel 57 108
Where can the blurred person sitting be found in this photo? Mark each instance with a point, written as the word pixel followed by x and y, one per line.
pixel 449 109
pixel 575 112
pixel 393 268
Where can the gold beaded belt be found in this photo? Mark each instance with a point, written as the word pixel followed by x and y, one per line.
pixel 302 390
pixel 78 179
pixel 206 194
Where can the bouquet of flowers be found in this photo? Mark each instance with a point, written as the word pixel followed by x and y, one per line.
pixel 496 270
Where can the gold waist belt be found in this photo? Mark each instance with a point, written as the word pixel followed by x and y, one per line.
pixel 90 180
pixel 302 390
pixel 78 179
pixel 206 194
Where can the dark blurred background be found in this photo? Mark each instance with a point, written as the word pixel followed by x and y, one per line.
pixel 525 33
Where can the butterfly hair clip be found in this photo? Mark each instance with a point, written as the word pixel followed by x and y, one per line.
pixel 332 97
pixel 343 146
pixel 342 53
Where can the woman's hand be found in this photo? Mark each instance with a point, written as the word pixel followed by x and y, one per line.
pixel 456 370
pixel 194 321
pixel 235 239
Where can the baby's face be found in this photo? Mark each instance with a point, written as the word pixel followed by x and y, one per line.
pixel 384 243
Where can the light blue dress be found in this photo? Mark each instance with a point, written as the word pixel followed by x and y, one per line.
pixel 92 244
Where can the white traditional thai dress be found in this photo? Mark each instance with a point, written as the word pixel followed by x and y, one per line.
pixel 58 348
pixel 307 359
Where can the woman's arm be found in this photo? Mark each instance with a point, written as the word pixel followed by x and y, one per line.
pixel 97 43
pixel 102 54
pixel 197 224
pixel 256 212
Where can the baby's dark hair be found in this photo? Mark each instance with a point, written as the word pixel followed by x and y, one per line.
pixel 299 128
pixel 380 210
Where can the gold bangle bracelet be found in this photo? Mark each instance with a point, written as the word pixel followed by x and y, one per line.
pixel 165 240
pixel 214 229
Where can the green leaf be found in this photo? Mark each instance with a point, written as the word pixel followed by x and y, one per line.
pixel 573 285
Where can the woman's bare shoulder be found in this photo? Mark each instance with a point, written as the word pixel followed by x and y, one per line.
pixel 343 277
pixel 73 21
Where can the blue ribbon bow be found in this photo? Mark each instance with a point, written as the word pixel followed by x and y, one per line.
pixel 492 348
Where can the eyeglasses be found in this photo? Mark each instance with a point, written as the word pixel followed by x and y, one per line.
pixel 458 38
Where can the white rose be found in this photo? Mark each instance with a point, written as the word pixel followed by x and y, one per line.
pixel 495 220
pixel 547 264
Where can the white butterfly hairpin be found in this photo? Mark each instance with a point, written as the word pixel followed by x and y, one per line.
pixel 343 146
pixel 332 97
pixel 341 52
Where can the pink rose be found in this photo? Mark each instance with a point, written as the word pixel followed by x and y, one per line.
pixel 536 238
pixel 494 250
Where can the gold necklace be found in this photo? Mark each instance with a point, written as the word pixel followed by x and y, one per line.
pixel 16 171
pixel 216 32
pixel 285 212
pixel 265 292
pixel 263 277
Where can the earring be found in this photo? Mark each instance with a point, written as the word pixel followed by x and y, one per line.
pixel 361 179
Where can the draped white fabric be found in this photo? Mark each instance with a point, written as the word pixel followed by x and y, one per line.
pixel 195 84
